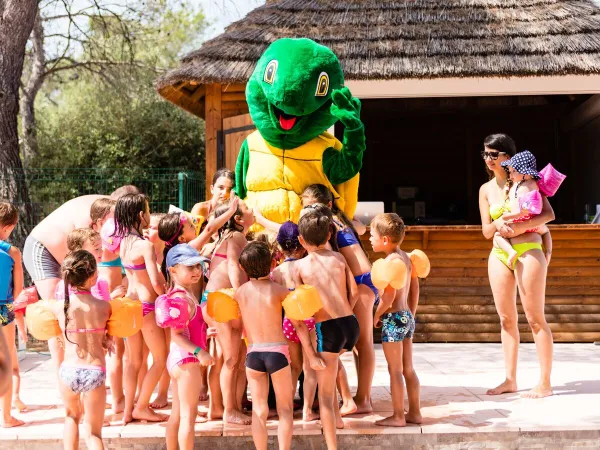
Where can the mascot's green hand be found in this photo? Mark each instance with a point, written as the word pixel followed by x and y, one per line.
pixel 346 108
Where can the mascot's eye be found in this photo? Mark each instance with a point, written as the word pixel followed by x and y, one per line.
pixel 270 71
pixel 322 85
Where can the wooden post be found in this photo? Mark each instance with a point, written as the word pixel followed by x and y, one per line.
pixel 213 124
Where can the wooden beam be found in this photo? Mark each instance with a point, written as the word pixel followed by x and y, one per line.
pixel 234 97
pixel 213 124
pixel 582 115
pixel 233 88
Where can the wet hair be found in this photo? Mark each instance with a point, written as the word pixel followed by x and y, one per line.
pixel 127 213
pixel 169 230
pixel 390 225
pixel 255 259
pixel 224 172
pixel 501 143
pixel 101 208
pixel 9 214
pixel 316 225
pixel 124 190
pixel 76 269
pixel 322 194
pixel 287 237
pixel 79 236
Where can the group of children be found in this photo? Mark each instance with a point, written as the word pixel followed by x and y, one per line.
pixel 149 257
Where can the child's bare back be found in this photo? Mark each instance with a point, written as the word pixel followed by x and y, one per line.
pixel 327 271
pixel 400 302
pixel 260 305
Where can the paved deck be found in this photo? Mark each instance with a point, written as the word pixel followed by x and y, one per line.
pixel 457 413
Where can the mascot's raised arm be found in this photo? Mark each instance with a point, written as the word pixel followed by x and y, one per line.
pixel 295 95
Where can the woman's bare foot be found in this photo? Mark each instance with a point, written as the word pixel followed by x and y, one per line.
pixel 19 405
pixel 363 407
pixel 127 418
pixel 148 415
pixel 203 394
pixel 540 391
pixel 118 406
pixel 339 423
pixel 411 417
pixel 348 408
pixel 392 421
pixel 236 417
pixel 310 416
pixel 159 402
pixel 507 387
pixel 202 417
pixel 12 422
pixel 512 258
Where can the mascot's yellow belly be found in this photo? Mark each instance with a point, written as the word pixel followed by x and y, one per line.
pixel 276 178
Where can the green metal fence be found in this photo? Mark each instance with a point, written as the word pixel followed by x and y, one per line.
pixel 49 188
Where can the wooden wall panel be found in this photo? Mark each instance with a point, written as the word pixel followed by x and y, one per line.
pixel 456 303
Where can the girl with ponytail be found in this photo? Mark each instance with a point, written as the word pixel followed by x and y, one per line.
pixel 82 374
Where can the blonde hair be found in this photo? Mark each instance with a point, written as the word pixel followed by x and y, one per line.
pixel 78 237
pixel 390 225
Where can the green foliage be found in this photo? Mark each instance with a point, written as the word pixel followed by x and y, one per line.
pixel 112 116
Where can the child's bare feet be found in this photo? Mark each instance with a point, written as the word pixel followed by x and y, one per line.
pixel 363 407
pixel 19 405
pixel 310 416
pixel 347 408
pixel 118 405
pixel 148 415
pixel 540 391
pixel 236 417
pixel 392 421
pixel 159 402
pixel 411 417
pixel 512 258
pixel 12 422
pixel 507 387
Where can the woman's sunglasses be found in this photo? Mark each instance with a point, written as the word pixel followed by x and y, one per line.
pixel 491 155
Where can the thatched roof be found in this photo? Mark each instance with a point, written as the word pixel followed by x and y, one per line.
pixel 394 39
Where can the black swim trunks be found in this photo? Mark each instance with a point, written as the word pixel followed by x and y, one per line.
pixel 339 334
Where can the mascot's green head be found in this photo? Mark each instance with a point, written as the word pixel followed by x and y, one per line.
pixel 289 93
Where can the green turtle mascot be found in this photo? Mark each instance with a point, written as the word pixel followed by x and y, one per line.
pixel 295 94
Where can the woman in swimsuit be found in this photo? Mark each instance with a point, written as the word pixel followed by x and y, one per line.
pixel 225 272
pixel 348 241
pixel 132 214
pixel 530 271
pixel 82 374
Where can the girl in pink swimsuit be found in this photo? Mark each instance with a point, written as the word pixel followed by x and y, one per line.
pixel 132 215
pixel 188 346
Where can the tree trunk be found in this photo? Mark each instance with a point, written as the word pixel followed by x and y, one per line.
pixel 30 91
pixel 16 23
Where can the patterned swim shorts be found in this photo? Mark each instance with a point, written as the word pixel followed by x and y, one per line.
pixel 7 314
pixel 397 326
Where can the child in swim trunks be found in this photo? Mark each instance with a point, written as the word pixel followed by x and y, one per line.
pixel 260 302
pixel 526 203
pixel 82 375
pixel 337 328
pixel 11 284
pixel 395 315
pixel 188 346
pixel 286 275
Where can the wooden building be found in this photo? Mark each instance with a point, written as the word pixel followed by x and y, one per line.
pixel 435 77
